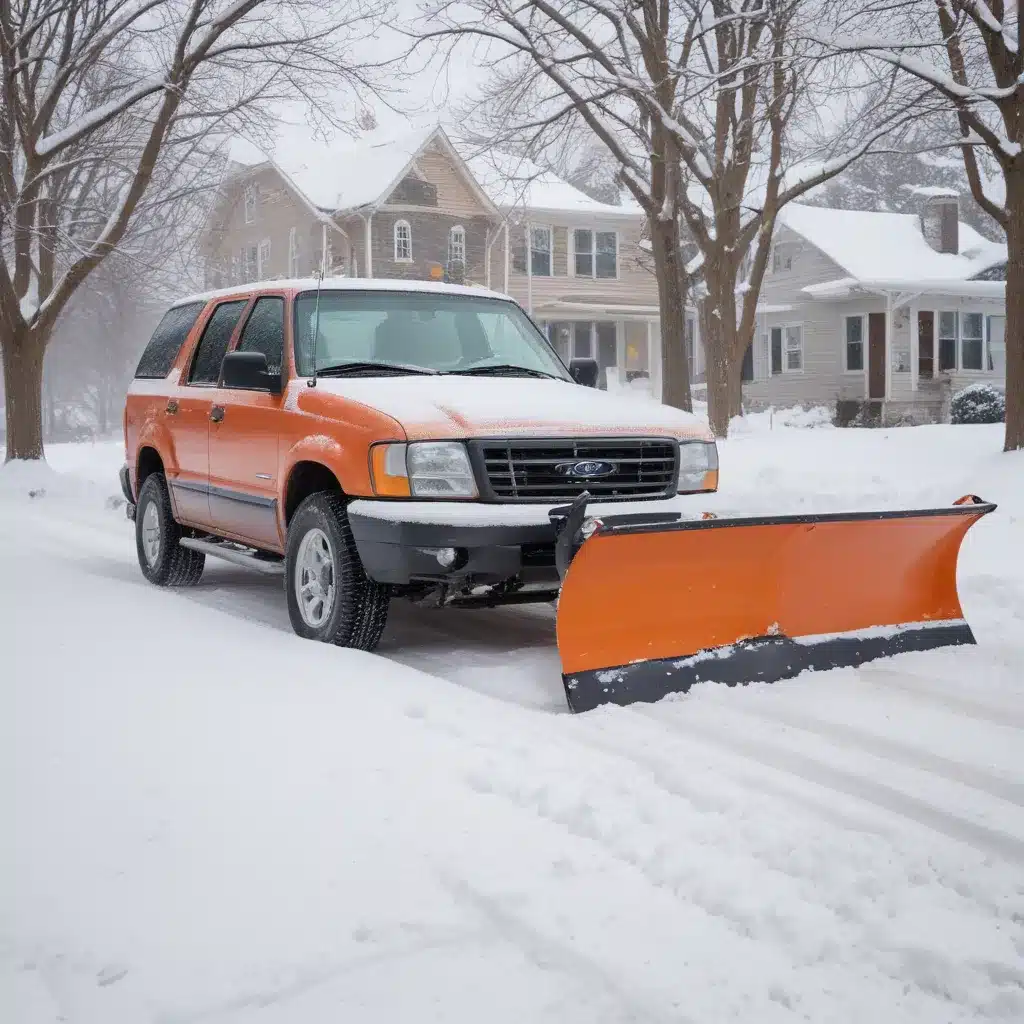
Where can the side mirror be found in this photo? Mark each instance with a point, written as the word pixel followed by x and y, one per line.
pixel 248 371
pixel 584 371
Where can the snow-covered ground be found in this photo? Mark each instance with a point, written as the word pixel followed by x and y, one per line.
pixel 207 819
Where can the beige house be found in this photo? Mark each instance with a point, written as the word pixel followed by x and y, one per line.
pixel 410 205
pixel 888 311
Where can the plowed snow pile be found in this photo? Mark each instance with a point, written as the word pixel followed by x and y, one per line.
pixel 209 820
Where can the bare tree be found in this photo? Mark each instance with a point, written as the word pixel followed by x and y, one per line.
pixel 966 54
pixel 574 101
pixel 711 109
pixel 109 108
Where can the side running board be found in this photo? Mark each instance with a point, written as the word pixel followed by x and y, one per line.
pixel 269 565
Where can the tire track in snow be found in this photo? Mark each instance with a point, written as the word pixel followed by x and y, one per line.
pixel 545 952
pixel 817 773
pixel 935 693
pixel 890 750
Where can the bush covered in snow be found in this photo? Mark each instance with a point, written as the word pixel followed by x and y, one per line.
pixel 978 403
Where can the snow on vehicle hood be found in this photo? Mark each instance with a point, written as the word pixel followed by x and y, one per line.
pixel 456 406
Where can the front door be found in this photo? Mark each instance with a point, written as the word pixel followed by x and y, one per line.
pixel 876 355
pixel 243 439
pixel 190 406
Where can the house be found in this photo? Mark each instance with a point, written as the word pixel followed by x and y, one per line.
pixel 886 312
pixel 411 205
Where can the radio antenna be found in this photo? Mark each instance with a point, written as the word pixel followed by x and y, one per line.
pixel 311 383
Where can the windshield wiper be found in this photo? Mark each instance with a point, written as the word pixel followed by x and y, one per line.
pixel 366 369
pixel 505 370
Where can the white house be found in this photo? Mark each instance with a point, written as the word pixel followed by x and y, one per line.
pixel 888 310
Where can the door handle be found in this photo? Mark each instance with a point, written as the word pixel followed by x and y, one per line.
pixel 172 406
pixel 217 413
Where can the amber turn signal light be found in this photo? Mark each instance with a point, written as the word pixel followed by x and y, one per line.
pixel 387 471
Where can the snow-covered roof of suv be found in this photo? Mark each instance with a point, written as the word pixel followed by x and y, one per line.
pixel 341 284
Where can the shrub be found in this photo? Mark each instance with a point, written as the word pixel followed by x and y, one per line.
pixel 978 403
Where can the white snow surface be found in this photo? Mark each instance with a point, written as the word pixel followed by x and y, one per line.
pixel 877 247
pixel 479 406
pixel 210 820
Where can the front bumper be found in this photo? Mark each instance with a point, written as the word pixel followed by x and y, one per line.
pixel 399 541
pixel 399 552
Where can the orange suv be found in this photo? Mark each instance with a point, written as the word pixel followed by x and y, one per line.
pixel 377 439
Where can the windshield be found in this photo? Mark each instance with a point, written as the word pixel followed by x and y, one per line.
pixel 434 331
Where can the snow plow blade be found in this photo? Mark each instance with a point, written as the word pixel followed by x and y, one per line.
pixel 651 605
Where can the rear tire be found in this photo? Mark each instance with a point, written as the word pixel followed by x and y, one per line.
pixel 162 559
pixel 330 598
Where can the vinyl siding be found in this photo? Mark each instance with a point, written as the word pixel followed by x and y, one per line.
pixel 278 210
pixel 454 195
pixel 635 285
pixel 823 379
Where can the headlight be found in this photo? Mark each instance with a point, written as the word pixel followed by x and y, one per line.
pixel 698 466
pixel 424 469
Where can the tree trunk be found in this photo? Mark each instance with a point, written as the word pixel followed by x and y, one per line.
pixel 1015 313
pixel 23 354
pixel 716 361
pixel 675 370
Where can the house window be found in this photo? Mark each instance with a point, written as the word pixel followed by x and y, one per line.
pixel 263 267
pixel 782 259
pixel 540 252
pixel 250 263
pixel 403 242
pixel 996 331
pixel 690 335
pixel 595 253
pixel 457 244
pixel 293 252
pixel 250 203
pixel 947 341
pixel 787 349
pixel 854 350
pixel 972 341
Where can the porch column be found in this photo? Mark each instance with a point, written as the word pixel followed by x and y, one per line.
pixel 889 311
pixel 914 346
pixel 654 355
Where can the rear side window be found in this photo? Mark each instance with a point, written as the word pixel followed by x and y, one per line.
pixel 264 331
pixel 214 342
pixel 170 335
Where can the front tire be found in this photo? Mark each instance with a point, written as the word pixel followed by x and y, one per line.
pixel 330 598
pixel 162 559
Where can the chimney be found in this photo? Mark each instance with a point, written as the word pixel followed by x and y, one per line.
pixel 940 221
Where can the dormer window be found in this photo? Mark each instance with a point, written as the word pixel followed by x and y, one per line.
pixel 403 242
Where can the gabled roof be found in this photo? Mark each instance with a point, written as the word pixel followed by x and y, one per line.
pixel 879 250
pixel 516 182
pixel 346 175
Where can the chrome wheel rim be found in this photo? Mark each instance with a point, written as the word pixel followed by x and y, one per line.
pixel 151 534
pixel 314 578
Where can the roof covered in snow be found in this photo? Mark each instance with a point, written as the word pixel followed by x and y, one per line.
pixel 343 174
pixel 338 284
pixel 887 249
pixel 348 174
pixel 513 181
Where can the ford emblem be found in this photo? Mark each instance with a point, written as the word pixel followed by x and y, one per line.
pixel 586 470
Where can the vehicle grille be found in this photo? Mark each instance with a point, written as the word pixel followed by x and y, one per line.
pixel 539 470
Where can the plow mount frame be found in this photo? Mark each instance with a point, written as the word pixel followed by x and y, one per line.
pixel 599 669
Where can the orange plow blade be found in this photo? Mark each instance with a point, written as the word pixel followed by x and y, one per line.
pixel 648 606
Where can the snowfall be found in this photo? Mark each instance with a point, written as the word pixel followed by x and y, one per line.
pixel 209 820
